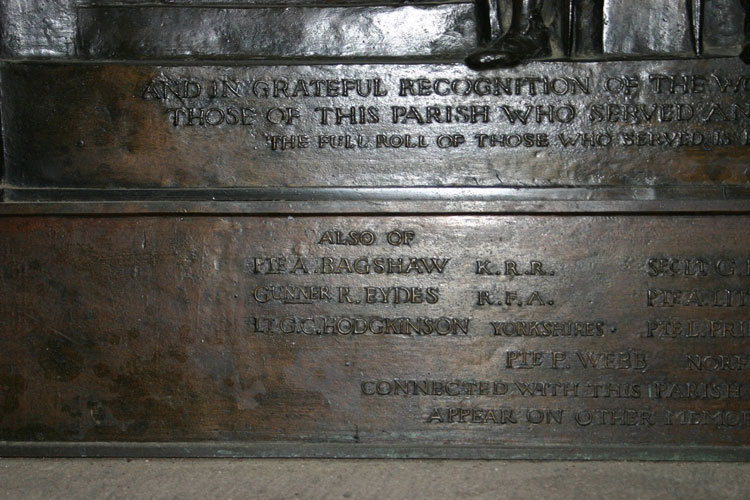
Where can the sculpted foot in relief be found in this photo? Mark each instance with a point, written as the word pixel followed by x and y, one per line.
pixel 527 38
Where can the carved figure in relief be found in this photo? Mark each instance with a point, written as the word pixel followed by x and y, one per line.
pixel 527 38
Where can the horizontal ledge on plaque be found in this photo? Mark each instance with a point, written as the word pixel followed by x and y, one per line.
pixel 276 449
pixel 375 207
pixel 376 60
pixel 706 194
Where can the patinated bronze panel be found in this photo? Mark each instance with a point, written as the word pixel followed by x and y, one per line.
pixel 545 124
pixel 420 331
pixel 506 228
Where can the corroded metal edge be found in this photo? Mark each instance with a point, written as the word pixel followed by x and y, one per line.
pixel 277 449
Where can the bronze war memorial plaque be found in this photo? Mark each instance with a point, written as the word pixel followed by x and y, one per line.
pixel 455 229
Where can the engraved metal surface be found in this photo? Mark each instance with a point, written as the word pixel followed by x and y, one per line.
pixel 491 330
pixel 544 124
pixel 307 228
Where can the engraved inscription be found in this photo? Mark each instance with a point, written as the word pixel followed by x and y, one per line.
pixel 628 329
pixel 625 123
pixel 322 325
pixel 649 98
pixel 697 329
